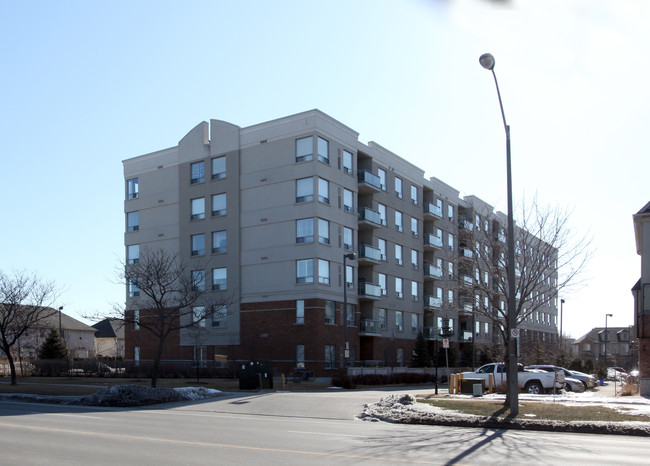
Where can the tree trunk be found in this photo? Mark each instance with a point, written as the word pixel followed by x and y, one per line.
pixel 156 363
pixel 12 366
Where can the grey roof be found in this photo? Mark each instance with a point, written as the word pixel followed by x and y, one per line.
pixel 67 322
pixel 109 328
pixel 593 333
pixel 645 209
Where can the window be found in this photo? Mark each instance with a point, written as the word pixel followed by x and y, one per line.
pixel 414 195
pixel 450 241
pixel 414 323
pixel 219 316
pixel 198 245
pixel 381 208
pixel 305 190
pixel 398 187
pixel 199 354
pixel 382 178
pixel 305 230
pixel 382 283
pixel 220 279
pixel 348 243
pixel 330 357
pixel 219 242
pixel 349 276
pixel 414 291
pixel 133 254
pixel 136 355
pixel 323 272
pixel 300 311
pixel 330 313
pixel 219 205
pixel 450 269
pixel 486 328
pixel 383 321
pixel 304 149
pixel 399 321
pixel 477 329
pixel 136 320
pixel 398 255
pixel 323 150
pixel 132 188
pixel 450 296
pixel 219 168
pixel 323 231
pixel 323 191
pixel 198 172
pixel 350 315
pixel 400 357
pixel 300 356
pixel 450 212
pixel 305 271
pixel 414 226
pixel 198 280
pixel 133 221
pixel 133 288
pixel 348 204
pixel 198 316
pixel 399 292
pixel 347 162
pixel 381 245
pixel 198 209
pixel 414 259
pixel 398 221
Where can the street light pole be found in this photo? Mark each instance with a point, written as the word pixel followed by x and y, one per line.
pixel 561 315
pixel 606 336
pixel 60 333
pixel 487 61
pixel 346 348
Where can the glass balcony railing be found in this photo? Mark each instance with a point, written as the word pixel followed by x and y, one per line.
pixel 369 289
pixel 370 326
pixel 368 252
pixel 369 178
pixel 433 209
pixel 465 253
pixel 370 215
pixel 432 271
pixel 431 240
pixel 433 302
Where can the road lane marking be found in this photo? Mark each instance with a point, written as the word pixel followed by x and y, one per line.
pixel 218 445
pixel 324 433
pixel 74 415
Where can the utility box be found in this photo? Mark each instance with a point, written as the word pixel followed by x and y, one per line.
pixel 255 374
pixel 467 386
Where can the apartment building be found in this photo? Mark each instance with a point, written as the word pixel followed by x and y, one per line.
pixel 641 294
pixel 264 216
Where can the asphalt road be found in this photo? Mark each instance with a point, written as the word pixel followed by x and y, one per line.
pixel 279 428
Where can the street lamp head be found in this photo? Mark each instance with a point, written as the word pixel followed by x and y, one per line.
pixel 562 301
pixel 487 61
pixel 350 256
pixel 609 315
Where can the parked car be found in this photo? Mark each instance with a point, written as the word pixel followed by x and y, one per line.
pixel 589 381
pixel 535 382
pixel 573 385
pixel 617 373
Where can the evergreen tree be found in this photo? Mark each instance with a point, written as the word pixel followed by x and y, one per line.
pixel 420 356
pixel 53 347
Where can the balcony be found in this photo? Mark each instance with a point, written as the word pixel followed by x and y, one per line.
pixel 432 302
pixel 465 253
pixel 368 183
pixel 466 281
pixel 466 306
pixel 369 218
pixel 370 327
pixel 431 333
pixel 432 210
pixel 368 254
pixel 432 272
pixel 431 241
pixel 465 225
pixel 369 291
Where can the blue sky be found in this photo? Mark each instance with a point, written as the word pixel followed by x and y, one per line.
pixel 88 84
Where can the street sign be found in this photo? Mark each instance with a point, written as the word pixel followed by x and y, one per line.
pixel 514 333
pixel 445 342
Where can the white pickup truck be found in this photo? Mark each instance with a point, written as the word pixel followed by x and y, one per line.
pixel 532 381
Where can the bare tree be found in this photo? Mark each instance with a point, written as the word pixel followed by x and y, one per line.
pixel 165 298
pixel 25 300
pixel 549 259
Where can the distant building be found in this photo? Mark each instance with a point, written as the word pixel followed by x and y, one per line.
pixel 109 338
pixel 613 346
pixel 265 214
pixel 641 293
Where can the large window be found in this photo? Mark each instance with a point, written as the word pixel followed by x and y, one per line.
pixel 398 187
pixel 382 178
pixel 399 321
pixel 398 221
pixel 399 291
pixel 133 221
pixel 300 356
pixel 198 316
pixel 133 288
pixel 300 311
pixel 220 278
pixel 219 242
pixel 304 149
pixel 330 313
pixel 414 259
pixel 198 280
pixel 323 150
pixel 219 168
pixel 414 227
pixel 414 195
pixel 383 321
pixel 330 357
pixel 450 241
pixel 323 231
pixel 305 271
pixel 323 272
pixel 399 260
pixel 347 162
pixel 198 172
pixel 348 243
pixel 381 244
pixel 381 208
pixel 305 230
pixel 198 209
pixel 382 283
pixel 133 254
pixel 305 190
pixel 414 291
pixel 349 276
pixel 219 316
pixel 414 323
pixel 323 191
pixel 198 245
pixel 219 205
pixel 348 203
pixel 132 188
pixel 350 314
